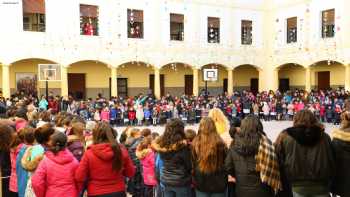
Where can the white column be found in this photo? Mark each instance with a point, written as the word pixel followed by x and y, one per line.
pixel 195 82
pixel 276 80
pixel 64 81
pixel 157 92
pixel 6 92
pixel 230 81
pixel 347 77
pixel 114 81
pixel 308 79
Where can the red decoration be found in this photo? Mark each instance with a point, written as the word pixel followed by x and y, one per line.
pixel 88 29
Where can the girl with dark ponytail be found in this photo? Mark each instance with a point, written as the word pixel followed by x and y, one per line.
pixel 55 173
pixel 105 164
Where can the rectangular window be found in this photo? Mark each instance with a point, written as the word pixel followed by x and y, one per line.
pixel 176 27
pixel 328 23
pixel 135 23
pixel 292 30
pixel 246 32
pixel 213 30
pixel 88 20
pixel 34 15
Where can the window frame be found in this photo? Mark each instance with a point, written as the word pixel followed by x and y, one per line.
pixel 181 36
pixel 96 29
pixel 216 30
pixel 294 39
pixel 140 24
pixel 327 30
pixel 249 39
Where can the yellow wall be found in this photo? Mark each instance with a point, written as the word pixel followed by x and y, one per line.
pixel 337 73
pixel 243 74
pixel 138 75
pixel 175 78
pixel 295 74
pixel 222 72
pixel 96 74
pixel 29 66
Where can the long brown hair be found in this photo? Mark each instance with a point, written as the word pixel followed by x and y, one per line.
pixel 78 130
pixel 305 118
pixel 104 133
pixel 208 149
pixel 6 137
pixel 174 133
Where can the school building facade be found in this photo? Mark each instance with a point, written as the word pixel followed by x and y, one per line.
pixel 127 47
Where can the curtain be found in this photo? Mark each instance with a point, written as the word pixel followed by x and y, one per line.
pixel 88 11
pixel 34 6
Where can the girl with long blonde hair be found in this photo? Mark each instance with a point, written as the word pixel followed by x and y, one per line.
pixel 222 124
pixel 209 153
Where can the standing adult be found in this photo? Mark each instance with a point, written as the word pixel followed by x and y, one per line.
pixel 251 160
pixel 306 157
pixel 341 147
pixel 209 153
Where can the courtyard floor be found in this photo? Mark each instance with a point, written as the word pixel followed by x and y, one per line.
pixel 271 128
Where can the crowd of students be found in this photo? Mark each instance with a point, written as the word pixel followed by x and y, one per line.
pixel 49 154
pixel 327 105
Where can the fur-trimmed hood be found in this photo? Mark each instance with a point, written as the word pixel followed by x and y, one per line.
pixel 173 148
pixel 343 135
pixel 140 154
pixel 307 136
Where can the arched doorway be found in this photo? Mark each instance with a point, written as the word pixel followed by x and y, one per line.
pixel 87 79
pixel 215 87
pixel 246 77
pixel 178 79
pixel 327 74
pixel 290 77
pixel 137 77
pixel 24 78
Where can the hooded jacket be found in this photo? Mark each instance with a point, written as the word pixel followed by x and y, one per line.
pixel 241 164
pixel 306 159
pixel 54 176
pixel 96 168
pixel 177 164
pixel 13 179
pixel 341 147
pixel 147 158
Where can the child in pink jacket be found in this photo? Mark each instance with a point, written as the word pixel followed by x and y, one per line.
pixel 16 146
pixel 105 114
pixel 54 176
pixel 146 155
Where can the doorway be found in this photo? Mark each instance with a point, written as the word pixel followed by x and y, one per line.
pixel 254 85
pixel 76 85
pixel 151 84
pixel 225 85
pixel 188 84
pixel 284 84
pixel 122 88
pixel 323 80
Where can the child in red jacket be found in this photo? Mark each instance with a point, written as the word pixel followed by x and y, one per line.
pixel 105 164
pixel 132 116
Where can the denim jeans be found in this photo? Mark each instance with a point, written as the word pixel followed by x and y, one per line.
pixel 300 195
pixel 206 194
pixel 177 191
